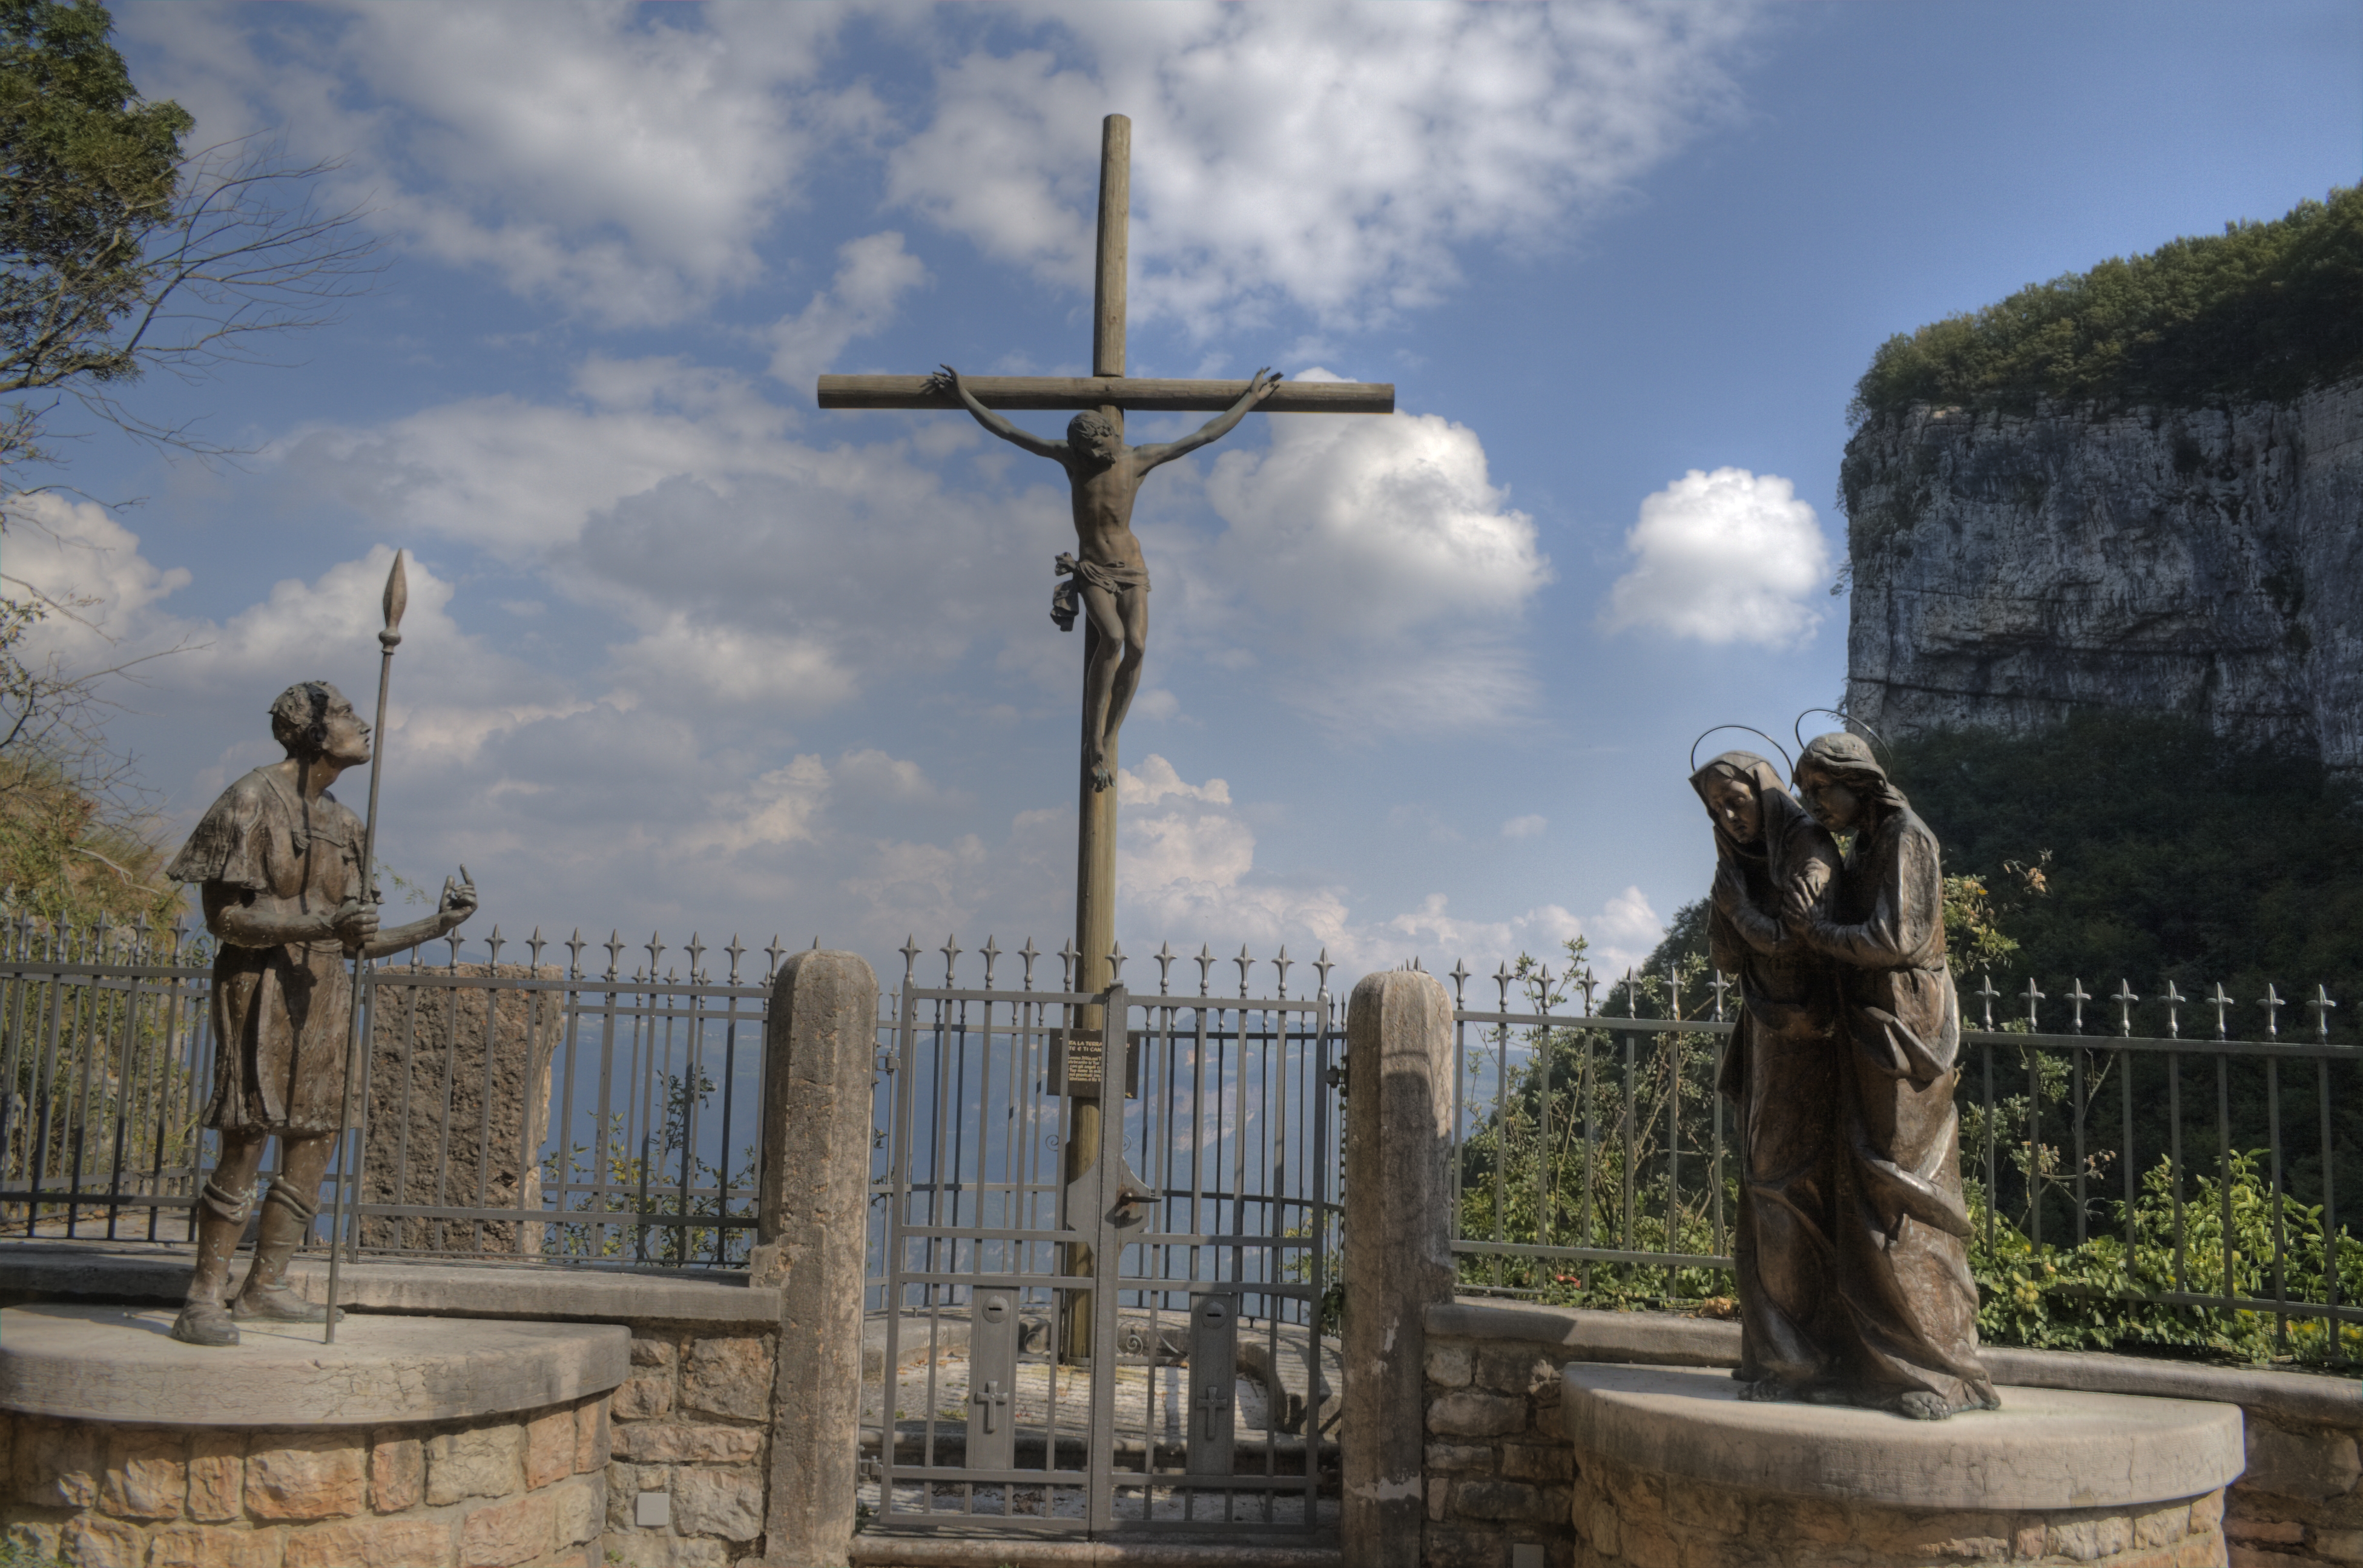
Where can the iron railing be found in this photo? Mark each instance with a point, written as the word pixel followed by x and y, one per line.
pixel 1223 1111
pixel 536 1111
pixel 2196 1172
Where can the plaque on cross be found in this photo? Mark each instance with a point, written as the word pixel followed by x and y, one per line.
pixel 1107 584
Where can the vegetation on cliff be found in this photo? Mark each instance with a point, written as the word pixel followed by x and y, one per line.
pixel 2259 312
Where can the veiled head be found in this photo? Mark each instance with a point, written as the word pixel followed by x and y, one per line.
pixel 1733 785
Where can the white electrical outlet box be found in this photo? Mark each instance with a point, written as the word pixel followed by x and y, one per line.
pixel 653 1510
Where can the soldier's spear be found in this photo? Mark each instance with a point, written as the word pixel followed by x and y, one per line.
pixel 398 599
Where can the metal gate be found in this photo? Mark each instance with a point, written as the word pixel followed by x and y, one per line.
pixel 1104 1231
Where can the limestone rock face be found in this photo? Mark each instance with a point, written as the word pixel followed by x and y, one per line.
pixel 2009 569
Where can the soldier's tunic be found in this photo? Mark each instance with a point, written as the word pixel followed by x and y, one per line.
pixel 279 1013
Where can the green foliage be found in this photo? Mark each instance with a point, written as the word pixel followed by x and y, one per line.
pixel 16 1554
pixel 2164 852
pixel 70 858
pixel 2049 1297
pixel 1553 1164
pixel 643 1176
pixel 92 172
pixel 2263 310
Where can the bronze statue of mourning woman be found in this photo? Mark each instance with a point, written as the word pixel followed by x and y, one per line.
pixel 1851 1246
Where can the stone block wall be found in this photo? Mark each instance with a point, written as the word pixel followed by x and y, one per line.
pixel 525 1490
pixel 1627 1519
pixel 692 1425
pixel 1498 1470
pixel 2299 1502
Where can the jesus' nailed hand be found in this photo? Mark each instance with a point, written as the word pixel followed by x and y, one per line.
pixel 1106 571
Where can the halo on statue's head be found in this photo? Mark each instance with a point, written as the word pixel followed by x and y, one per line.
pixel 1869 734
pixel 1752 730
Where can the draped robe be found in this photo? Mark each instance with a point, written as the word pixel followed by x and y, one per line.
pixel 1901 1227
pixel 279 1012
pixel 1779 1071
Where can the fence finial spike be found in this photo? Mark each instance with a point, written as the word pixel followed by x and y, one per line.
pixel 2321 1004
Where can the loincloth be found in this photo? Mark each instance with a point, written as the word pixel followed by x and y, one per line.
pixel 1065 600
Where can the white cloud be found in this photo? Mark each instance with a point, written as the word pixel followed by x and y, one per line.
pixel 632 164
pixel 1330 155
pixel 1526 827
pixel 873 273
pixel 1385 562
pixel 1157 780
pixel 1618 937
pixel 1723 557
pixel 601 156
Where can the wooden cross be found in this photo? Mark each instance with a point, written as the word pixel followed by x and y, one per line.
pixel 1111 392
pixel 1108 390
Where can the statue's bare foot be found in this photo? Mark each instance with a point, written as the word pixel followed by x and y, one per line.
pixel 1767 1390
pixel 204 1323
pixel 1101 777
pixel 1922 1406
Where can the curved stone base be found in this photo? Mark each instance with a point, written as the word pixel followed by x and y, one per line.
pixel 117 1363
pixel 409 1443
pixel 1673 1467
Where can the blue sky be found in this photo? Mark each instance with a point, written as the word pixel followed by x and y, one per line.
pixel 686 652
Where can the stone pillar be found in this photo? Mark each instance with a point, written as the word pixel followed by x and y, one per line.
pixel 1398 1251
pixel 820 1053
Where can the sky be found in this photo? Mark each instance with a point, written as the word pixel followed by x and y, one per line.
pixel 687 654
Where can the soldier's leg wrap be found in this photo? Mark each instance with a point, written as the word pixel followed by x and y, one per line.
pixel 288 1210
pixel 224 1205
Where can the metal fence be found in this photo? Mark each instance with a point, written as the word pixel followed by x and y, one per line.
pixel 1140 1339
pixel 2175 1166
pixel 560 1113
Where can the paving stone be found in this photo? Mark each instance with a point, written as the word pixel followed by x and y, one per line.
pixel 727 1504
pixel 479 1463
pixel 579 1505
pixel 217 1545
pixel 590 1437
pixel 2300 1461
pixel 216 1475
pixel 1450 1365
pixel 1467 1413
pixel 549 1447
pixel 1460 1456
pixel 1495 1500
pixel 415 1543
pixel 1535 1462
pixel 397 1473
pixel 669 1442
pixel 92 1542
pixel 57 1465
pixel 727 1377
pixel 308 1476
pixel 31 1536
pixel 501 1535
pixel 147 1474
pixel 644 1396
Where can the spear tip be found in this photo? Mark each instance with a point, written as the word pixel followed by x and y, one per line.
pixel 398 599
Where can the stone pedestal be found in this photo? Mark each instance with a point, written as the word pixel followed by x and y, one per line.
pixel 1672 1466
pixel 409 1443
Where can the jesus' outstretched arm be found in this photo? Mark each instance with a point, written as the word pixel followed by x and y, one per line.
pixel 947 379
pixel 1261 387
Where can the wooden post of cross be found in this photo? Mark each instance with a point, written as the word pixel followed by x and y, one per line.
pixel 1108 390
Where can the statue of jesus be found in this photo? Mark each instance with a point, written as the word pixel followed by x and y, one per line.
pixel 1106 575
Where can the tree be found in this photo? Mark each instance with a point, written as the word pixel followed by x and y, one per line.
pixel 121 251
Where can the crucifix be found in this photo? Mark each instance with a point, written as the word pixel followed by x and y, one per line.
pixel 1106 579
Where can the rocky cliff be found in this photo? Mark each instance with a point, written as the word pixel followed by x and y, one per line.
pixel 2011 567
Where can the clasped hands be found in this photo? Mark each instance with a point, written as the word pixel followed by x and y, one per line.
pixel 1762 932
